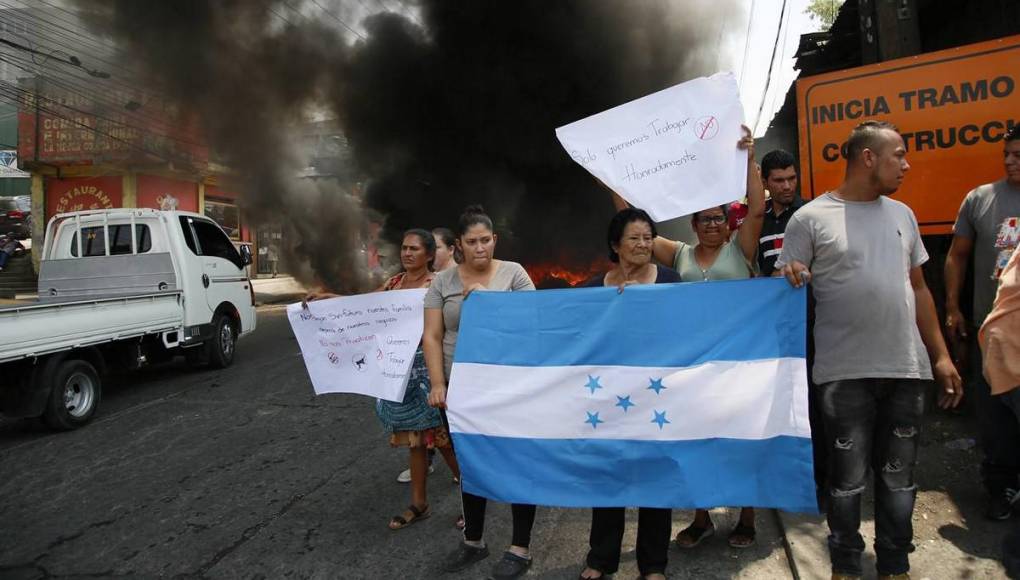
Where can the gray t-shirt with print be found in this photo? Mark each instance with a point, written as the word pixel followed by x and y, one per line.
pixel 447 293
pixel 860 255
pixel 990 217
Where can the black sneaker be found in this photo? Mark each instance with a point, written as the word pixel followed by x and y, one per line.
pixel 999 507
pixel 510 566
pixel 464 556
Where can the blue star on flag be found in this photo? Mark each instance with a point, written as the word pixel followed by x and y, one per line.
pixel 656 385
pixel 593 384
pixel 593 418
pixel 660 419
pixel 624 402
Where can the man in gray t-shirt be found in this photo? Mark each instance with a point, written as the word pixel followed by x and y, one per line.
pixel 988 226
pixel 876 337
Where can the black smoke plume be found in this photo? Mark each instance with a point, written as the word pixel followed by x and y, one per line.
pixel 249 75
pixel 463 107
pixel 445 103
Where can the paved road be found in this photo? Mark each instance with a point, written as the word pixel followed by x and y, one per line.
pixel 244 473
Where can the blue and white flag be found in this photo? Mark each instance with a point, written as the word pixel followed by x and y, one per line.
pixel 673 395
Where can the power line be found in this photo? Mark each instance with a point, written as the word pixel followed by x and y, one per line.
pixel 747 44
pixel 15 94
pixel 337 18
pixel 76 85
pixel 74 21
pixel 99 117
pixel 776 93
pixel 768 77
pixel 46 32
pixel 71 60
pixel 70 31
pixel 281 17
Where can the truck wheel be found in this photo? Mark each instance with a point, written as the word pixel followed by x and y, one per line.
pixel 74 395
pixel 220 349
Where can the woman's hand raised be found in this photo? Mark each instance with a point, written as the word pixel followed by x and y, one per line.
pixel 746 142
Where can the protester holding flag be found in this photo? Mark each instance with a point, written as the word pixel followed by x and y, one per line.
pixel 413 423
pixel 631 238
pixel 877 342
pixel 718 255
pixel 476 241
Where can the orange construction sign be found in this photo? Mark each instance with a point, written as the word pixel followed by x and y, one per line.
pixel 952 108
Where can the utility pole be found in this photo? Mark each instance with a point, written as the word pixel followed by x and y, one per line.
pixel 889 29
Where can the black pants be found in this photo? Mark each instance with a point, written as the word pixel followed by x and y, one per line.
pixel 654 529
pixel 1011 543
pixel 872 423
pixel 474 519
pixel 998 431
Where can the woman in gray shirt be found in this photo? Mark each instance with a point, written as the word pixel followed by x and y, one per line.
pixel 478 271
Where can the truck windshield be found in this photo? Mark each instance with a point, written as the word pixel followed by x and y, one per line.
pixel 120 240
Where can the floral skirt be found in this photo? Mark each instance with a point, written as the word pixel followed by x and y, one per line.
pixel 413 422
pixel 436 438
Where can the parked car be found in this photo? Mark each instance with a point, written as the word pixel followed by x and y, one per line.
pixel 16 216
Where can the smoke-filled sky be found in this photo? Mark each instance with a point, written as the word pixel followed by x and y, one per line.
pixel 464 109
pixel 444 103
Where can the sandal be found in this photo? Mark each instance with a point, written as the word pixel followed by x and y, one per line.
pixel 400 522
pixel 741 537
pixel 695 535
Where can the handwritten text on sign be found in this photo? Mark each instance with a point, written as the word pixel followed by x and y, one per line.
pixel 670 153
pixel 360 344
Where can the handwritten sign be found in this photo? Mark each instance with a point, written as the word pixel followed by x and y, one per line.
pixel 360 344
pixel 670 153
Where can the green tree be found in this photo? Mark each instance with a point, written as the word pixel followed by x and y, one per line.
pixel 824 10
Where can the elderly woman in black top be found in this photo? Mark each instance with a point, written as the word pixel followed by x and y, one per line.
pixel 631 239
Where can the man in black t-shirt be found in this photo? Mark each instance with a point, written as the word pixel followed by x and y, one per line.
pixel 780 176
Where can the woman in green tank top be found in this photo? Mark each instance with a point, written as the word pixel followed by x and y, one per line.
pixel 720 254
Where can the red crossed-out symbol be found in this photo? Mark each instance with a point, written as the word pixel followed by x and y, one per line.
pixel 706 128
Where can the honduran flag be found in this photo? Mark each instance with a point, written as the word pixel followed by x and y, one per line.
pixel 673 395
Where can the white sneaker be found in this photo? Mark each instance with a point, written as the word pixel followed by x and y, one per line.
pixel 405 475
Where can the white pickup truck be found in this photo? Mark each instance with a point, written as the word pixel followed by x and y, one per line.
pixel 120 288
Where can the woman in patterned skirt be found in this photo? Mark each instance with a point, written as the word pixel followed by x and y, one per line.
pixel 412 423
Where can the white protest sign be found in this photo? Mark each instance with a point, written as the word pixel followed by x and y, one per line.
pixel 671 153
pixel 361 344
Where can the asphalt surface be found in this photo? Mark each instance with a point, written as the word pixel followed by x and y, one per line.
pixel 245 473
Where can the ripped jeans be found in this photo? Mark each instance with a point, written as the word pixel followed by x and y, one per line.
pixel 872 423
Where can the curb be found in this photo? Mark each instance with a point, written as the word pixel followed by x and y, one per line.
pixel 805 538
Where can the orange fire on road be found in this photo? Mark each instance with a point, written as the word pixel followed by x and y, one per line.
pixel 559 276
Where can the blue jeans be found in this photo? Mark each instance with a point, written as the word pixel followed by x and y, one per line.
pixel 872 423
